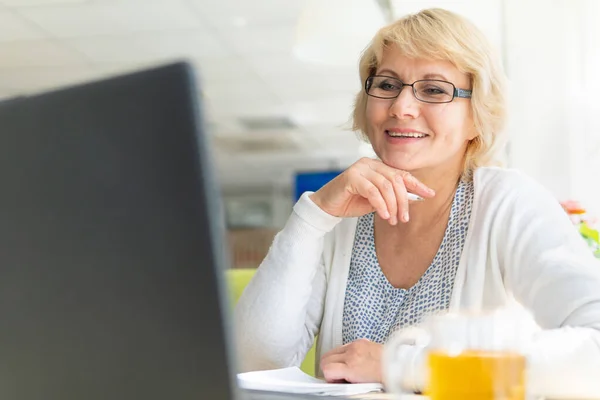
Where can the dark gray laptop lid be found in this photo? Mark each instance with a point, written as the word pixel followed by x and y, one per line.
pixel 111 244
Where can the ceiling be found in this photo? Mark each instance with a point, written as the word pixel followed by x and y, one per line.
pixel 269 113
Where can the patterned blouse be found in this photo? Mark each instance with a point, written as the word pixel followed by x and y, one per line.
pixel 373 308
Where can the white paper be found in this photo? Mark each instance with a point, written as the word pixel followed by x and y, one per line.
pixel 293 380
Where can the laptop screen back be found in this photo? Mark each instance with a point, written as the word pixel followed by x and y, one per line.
pixel 111 244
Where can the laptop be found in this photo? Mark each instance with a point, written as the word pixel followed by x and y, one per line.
pixel 112 245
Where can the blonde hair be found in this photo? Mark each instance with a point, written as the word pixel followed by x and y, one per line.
pixel 438 34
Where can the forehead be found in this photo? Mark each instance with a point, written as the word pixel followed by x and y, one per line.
pixel 394 63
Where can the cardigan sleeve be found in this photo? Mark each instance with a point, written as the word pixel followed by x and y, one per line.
pixel 280 311
pixel 550 270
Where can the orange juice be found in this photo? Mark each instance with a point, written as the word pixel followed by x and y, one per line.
pixel 476 375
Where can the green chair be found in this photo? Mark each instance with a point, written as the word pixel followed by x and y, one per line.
pixel 237 279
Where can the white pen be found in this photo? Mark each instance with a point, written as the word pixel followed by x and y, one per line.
pixel 414 197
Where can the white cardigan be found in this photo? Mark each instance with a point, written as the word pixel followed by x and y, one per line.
pixel 520 245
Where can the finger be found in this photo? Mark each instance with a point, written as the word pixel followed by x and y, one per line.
pixel 411 183
pixel 335 372
pixel 402 199
pixel 369 191
pixel 414 185
pixel 333 359
pixel 386 188
pixel 337 350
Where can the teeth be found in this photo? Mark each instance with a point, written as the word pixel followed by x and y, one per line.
pixel 410 135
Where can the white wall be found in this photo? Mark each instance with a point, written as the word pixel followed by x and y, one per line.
pixel 587 110
pixel 552 63
pixel 538 66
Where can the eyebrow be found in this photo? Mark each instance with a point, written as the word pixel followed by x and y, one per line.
pixel 435 76
pixel 426 76
pixel 388 71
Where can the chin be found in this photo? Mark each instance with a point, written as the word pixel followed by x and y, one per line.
pixel 400 164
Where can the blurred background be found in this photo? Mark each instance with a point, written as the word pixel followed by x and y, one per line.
pixel 277 80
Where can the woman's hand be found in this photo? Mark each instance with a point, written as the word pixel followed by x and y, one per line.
pixel 356 362
pixel 370 185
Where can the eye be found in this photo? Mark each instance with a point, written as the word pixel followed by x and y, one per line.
pixel 433 90
pixel 388 86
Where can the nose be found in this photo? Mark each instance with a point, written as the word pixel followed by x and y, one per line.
pixel 405 105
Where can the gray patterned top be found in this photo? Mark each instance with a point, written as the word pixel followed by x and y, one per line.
pixel 373 308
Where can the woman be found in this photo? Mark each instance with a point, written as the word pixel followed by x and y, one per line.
pixel 355 262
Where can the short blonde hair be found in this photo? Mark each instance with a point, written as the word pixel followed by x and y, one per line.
pixel 438 34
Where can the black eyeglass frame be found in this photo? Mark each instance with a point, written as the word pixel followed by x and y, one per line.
pixel 457 92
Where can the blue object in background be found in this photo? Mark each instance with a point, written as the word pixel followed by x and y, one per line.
pixel 312 181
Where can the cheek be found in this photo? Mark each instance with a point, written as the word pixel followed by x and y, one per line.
pixel 369 121
pixel 471 129
pixel 451 124
pixel 369 114
pixel 374 113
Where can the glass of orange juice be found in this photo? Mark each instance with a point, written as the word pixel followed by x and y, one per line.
pixel 463 356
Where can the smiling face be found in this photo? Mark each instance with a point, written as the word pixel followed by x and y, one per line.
pixel 415 136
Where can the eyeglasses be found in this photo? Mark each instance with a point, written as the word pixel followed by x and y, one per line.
pixel 426 90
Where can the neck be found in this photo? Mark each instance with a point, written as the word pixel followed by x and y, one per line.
pixel 443 180
pixel 423 215
pixel 437 209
